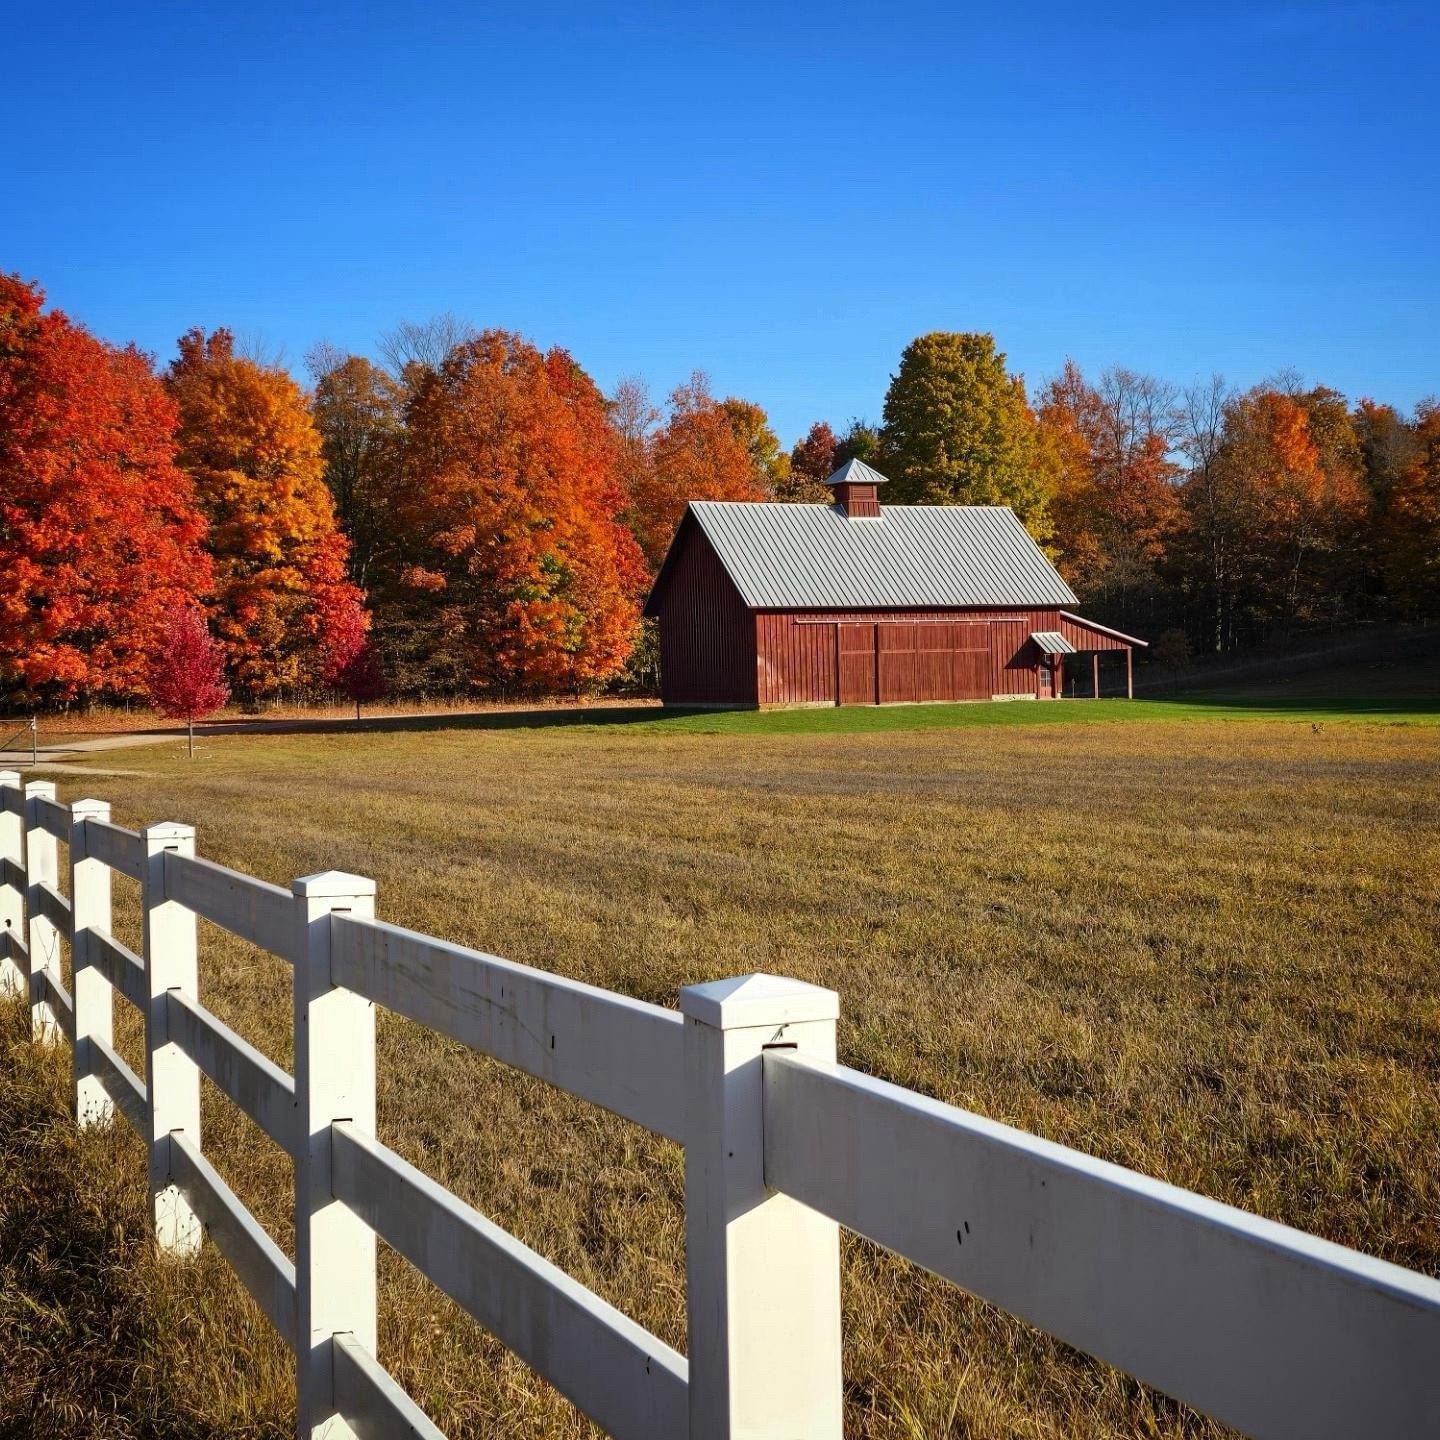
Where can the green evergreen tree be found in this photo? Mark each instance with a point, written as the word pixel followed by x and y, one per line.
pixel 958 430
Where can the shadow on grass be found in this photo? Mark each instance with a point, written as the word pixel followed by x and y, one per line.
pixel 540 718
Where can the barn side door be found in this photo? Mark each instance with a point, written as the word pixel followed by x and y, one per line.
pixel 856 664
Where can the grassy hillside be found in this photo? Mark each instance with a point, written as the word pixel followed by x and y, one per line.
pixel 1201 949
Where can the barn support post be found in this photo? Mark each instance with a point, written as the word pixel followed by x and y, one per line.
pixel 335 1250
pixel 762 1270
pixel 94 1000
pixel 172 962
pixel 42 867
pixel 1095 666
pixel 12 873
pixel 1129 673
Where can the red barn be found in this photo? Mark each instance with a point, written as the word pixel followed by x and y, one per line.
pixel 857 604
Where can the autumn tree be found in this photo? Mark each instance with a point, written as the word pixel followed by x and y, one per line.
pixel 100 535
pixel 249 443
pixel 1388 444
pixel 697 454
pixel 1105 451
pixel 1410 527
pixel 958 430
pixel 359 411
pixel 1211 558
pixel 1280 500
pixel 769 464
pixel 859 441
pixel 417 348
pixel 634 418
pixel 812 463
pixel 1069 416
pixel 353 665
pixel 514 569
pixel 186 679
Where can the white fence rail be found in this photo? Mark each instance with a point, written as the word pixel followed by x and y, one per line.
pixel 1263 1327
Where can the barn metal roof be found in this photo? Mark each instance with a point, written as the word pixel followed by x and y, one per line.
pixel 783 556
pixel 1052 642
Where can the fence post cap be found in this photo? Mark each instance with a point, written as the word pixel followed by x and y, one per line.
pixel 10 777
pixel 753 1000
pixel 90 809
pixel 41 787
pixel 330 884
pixel 167 830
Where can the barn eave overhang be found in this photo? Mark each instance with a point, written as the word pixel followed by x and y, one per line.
pixel 1096 628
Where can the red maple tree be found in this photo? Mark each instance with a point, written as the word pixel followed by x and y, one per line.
pixel 353 662
pixel 100 535
pixel 187 672
pixel 362 677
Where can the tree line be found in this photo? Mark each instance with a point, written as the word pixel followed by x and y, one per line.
pixel 470 514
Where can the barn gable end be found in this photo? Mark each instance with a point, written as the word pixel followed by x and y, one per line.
pixel 707 634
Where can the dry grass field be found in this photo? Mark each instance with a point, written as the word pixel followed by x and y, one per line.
pixel 1203 948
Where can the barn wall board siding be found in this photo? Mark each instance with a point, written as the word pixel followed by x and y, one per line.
pixel 707 636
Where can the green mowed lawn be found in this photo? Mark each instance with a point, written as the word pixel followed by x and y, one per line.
pixel 1196 937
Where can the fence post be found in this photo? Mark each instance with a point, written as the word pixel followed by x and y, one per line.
pixel 12 895
pixel 94 1000
pixel 173 1080
pixel 335 1288
pixel 762 1270
pixel 42 863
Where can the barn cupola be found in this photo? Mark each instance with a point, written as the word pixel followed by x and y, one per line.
pixel 854 486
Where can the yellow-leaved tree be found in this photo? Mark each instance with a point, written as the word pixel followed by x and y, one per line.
pixel 284 608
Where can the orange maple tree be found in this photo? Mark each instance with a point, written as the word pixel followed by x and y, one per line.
pixel 1301 506
pixel 1113 498
pixel 515 568
pixel 698 454
pixel 100 536
pixel 283 602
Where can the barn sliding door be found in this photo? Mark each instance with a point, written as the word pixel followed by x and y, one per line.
pixel 952 661
pixel 896 656
pixel 971 663
pixel 896 662
pixel 856 668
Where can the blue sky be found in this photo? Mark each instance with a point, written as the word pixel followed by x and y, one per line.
pixel 781 195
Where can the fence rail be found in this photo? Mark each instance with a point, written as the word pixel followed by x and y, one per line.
pixel 261 913
pixel 268 1275
pixel 53 817
pixel 120 1083
pixel 259 1087
pixel 624 1378
pixel 117 848
pixel 622 1054
pixel 123 970
pixel 1260 1326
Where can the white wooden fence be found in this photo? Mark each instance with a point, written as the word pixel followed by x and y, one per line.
pixel 1268 1329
